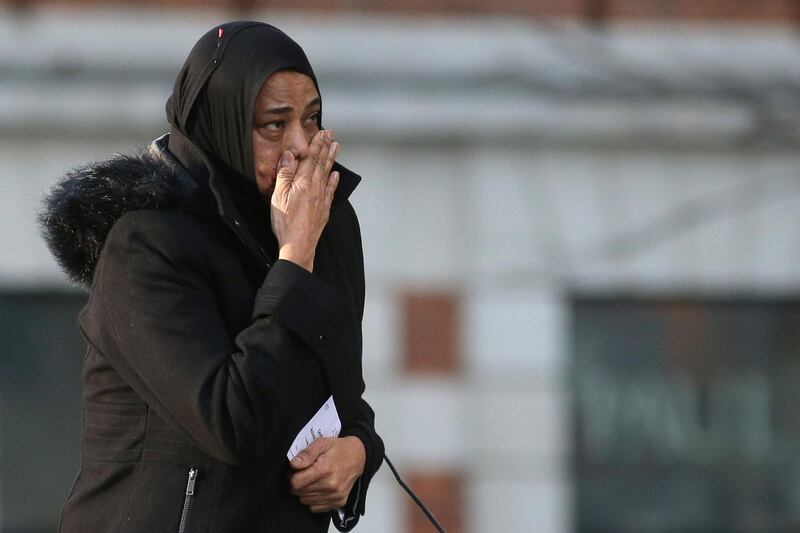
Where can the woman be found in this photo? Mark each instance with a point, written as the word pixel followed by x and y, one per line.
pixel 227 291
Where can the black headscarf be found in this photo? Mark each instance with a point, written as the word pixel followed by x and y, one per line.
pixel 211 117
pixel 215 92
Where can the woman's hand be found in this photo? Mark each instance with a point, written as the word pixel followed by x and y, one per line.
pixel 326 471
pixel 301 202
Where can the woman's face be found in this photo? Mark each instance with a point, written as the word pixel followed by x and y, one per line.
pixel 285 118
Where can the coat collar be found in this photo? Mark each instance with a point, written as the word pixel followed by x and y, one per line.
pixel 218 198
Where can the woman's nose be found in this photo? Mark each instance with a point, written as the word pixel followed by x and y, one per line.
pixel 298 142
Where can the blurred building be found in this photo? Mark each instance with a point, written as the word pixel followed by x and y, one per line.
pixel 581 225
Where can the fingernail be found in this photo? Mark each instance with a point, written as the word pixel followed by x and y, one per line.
pixel 335 148
pixel 330 135
pixel 285 159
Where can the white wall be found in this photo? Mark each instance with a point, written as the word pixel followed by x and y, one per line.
pixel 514 197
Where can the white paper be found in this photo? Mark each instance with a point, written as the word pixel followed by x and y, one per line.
pixel 325 423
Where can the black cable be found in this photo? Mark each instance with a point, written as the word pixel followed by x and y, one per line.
pixel 413 496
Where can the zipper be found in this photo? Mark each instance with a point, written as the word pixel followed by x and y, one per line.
pixel 187 501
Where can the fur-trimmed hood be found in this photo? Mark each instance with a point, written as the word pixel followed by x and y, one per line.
pixel 79 211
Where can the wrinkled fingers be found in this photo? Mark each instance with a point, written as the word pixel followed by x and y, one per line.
pixel 317 154
pixel 330 189
pixel 324 159
pixel 332 154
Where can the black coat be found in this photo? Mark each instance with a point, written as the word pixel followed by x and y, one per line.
pixel 203 355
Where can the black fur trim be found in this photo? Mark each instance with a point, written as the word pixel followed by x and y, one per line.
pixel 79 211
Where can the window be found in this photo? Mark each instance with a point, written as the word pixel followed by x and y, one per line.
pixel 686 415
pixel 41 353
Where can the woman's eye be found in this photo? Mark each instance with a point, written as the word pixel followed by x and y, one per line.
pixel 274 126
pixel 312 119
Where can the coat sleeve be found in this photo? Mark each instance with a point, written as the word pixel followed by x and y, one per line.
pixel 154 315
pixel 363 426
pixel 364 429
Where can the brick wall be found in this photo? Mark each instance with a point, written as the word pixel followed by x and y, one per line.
pixel 431 324
pixel 761 11
pixel 443 495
